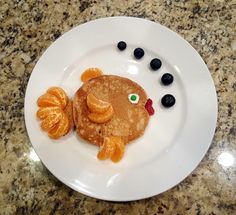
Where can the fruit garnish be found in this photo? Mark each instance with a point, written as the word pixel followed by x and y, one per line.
pixel 155 64
pixel 91 73
pixel 60 129
pixel 149 107
pixel 119 149
pixel 121 45
pixel 150 110
pixel 56 112
pixel 167 79
pixel 48 100
pixel 43 112
pixel 97 105
pixel 168 100
pixel 69 113
pixel 60 94
pixel 138 53
pixel 106 150
pixel 149 102
pixel 50 121
pixel 113 148
pixel 101 117
pixel 100 111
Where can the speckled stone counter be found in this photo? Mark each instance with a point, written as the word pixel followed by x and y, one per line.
pixel 27 28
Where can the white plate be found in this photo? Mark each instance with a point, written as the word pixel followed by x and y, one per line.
pixel 175 140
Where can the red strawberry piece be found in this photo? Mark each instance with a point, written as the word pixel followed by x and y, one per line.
pixel 149 107
pixel 150 110
pixel 149 102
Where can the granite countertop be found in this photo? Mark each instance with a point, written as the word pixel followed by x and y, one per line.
pixel 27 28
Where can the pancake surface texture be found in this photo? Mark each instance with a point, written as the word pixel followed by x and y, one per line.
pixel 129 120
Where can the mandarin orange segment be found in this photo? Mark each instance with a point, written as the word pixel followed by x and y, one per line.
pixel 119 149
pixel 90 73
pixel 69 113
pixel 101 117
pixel 56 112
pixel 60 129
pixel 106 150
pixel 50 121
pixel 48 100
pixel 43 112
pixel 97 105
pixel 60 94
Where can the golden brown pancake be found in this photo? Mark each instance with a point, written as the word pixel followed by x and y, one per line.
pixel 129 120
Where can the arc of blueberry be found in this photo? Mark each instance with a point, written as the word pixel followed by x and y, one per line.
pixel 167 100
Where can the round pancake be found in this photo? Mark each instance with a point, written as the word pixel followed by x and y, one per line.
pixel 129 120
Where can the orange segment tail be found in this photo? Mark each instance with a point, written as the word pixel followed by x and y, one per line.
pixel 55 112
pixel 60 94
pixel 47 100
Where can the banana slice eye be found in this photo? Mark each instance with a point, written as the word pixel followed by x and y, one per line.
pixel 133 98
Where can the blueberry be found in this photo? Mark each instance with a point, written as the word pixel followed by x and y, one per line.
pixel 138 53
pixel 155 64
pixel 121 45
pixel 168 100
pixel 167 79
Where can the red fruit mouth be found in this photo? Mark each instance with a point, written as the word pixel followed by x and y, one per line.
pixel 149 107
